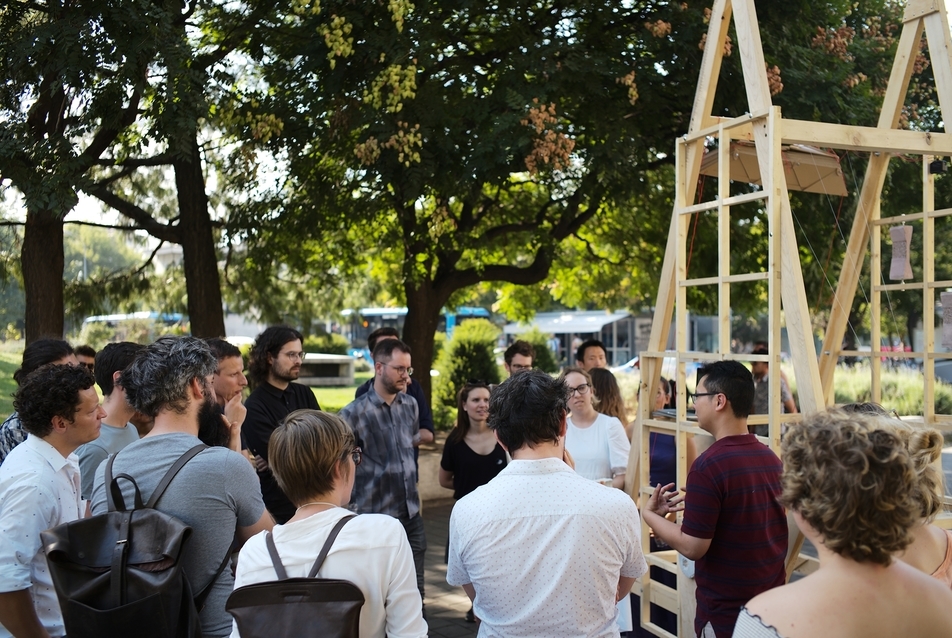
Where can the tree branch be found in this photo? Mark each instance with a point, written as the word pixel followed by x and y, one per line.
pixel 158 160
pixel 148 223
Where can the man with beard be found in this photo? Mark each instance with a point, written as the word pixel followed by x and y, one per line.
pixel 216 493
pixel 386 423
pixel 275 361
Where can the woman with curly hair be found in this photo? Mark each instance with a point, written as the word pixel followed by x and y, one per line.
pixel 850 483
pixel 931 547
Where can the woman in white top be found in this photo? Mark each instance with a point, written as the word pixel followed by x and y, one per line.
pixel 596 441
pixel 851 484
pixel 313 457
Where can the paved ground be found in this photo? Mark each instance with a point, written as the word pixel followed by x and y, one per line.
pixel 446 606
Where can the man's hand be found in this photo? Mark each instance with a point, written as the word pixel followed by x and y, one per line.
pixel 18 616
pixel 261 465
pixel 425 436
pixel 234 433
pixel 665 500
pixel 235 410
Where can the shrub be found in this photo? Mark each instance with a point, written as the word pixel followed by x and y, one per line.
pixel 327 343
pixel 544 358
pixel 468 355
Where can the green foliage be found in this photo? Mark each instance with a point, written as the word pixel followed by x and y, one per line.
pixel 143 331
pixel 544 358
pixel 902 389
pixel 327 343
pixel 9 362
pixel 468 355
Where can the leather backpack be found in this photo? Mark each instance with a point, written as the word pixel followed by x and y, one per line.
pixel 309 607
pixel 119 573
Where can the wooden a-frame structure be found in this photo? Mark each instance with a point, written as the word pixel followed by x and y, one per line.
pixel 787 304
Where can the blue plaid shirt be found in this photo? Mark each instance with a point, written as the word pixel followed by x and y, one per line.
pixel 386 479
pixel 12 434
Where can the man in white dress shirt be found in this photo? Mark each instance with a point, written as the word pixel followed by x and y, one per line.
pixel 40 489
pixel 541 550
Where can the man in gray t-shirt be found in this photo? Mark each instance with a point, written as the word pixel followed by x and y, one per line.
pixel 116 432
pixel 216 493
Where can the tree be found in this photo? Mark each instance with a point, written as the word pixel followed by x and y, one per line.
pixel 77 72
pixel 459 142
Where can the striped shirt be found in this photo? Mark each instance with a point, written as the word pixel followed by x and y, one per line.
pixel 732 498
pixel 386 479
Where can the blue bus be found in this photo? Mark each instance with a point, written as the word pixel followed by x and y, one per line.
pixel 357 324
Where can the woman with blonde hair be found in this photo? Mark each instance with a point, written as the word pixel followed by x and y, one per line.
pixel 931 547
pixel 850 483
pixel 313 458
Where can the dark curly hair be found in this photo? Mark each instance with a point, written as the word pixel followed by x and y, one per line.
pixel 51 390
pixel 268 343
pixel 854 482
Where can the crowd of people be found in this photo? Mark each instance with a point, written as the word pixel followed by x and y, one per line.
pixel 543 538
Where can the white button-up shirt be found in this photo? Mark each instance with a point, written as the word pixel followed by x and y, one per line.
pixel 544 549
pixel 39 489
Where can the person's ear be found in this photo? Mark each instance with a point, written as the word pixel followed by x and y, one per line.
pixel 563 427
pixel 501 444
pixel 59 423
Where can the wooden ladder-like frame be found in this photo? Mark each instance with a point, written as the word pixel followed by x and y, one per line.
pixel 787 302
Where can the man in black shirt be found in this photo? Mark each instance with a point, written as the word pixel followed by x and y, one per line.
pixel 275 361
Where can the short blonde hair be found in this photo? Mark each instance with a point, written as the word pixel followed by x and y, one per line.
pixel 304 450
pixel 853 481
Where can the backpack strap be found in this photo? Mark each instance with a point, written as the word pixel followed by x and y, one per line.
pixel 202 596
pixel 114 493
pixel 327 545
pixel 178 465
pixel 275 559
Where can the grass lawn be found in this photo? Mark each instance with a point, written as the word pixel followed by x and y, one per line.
pixel 334 398
pixel 9 362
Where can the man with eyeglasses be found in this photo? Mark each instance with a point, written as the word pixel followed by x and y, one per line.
pixel 386 425
pixel 733 525
pixel 274 362
pixel 519 357
pixel 413 389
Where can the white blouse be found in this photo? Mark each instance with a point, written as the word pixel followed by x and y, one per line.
pixel 601 450
pixel 371 551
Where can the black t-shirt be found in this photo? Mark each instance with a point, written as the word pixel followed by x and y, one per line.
pixel 267 406
pixel 470 470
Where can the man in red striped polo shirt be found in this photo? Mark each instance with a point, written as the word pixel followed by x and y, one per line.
pixel 734 525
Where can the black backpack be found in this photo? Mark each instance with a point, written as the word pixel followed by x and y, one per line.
pixel 301 607
pixel 118 573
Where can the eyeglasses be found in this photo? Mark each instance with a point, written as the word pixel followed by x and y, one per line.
pixel 582 390
pixel 693 396
pixel 516 367
pixel 89 366
pixel 400 369
pixel 294 356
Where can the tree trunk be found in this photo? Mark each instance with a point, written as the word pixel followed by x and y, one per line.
pixel 423 315
pixel 202 281
pixel 42 261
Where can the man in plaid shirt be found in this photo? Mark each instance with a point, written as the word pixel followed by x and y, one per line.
pixel 386 423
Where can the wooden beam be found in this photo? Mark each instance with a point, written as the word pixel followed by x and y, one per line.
pixel 866 138
pixel 868 200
